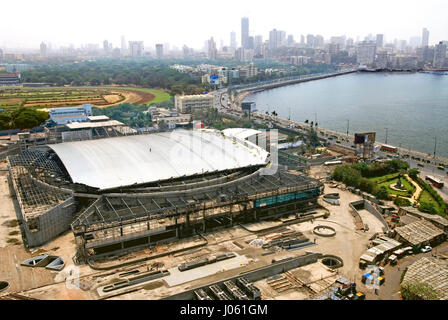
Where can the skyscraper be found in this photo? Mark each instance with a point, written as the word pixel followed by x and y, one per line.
pixel 310 40
pixel 425 37
pixel 439 55
pixel 366 52
pixel 233 43
pixel 136 48
pixel 258 45
pixel 290 40
pixel 123 44
pixel 318 41
pixel 379 40
pixel 43 50
pixel 244 32
pixel 106 46
pixel 159 51
pixel 212 52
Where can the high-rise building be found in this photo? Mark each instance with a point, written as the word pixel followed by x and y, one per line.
pixel 43 50
pixel 349 42
pixel 379 40
pixel 212 52
pixel 233 43
pixel 309 40
pixel 106 46
pixel 425 37
pixel 318 42
pixel 414 42
pixel 186 51
pixel 251 43
pixel 366 52
pixel 273 39
pixel 244 55
pixel 382 60
pixel 290 40
pixel 136 48
pixel 123 44
pixel 302 39
pixel 159 51
pixel 439 55
pixel 245 32
pixel 258 45
pixel 1 55
pixel 425 55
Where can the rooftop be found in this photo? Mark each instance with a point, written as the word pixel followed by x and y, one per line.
pixel 431 271
pixel 432 217
pixel 96 124
pixel 419 232
pixel 385 244
pixel 124 161
pixel 98 118
pixel 241 133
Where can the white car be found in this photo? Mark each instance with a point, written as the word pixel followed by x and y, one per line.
pixel 426 249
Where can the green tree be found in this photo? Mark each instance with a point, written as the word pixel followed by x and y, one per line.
pixel 427 207
pixel 382 193
pixel 413 173
pixel 416 290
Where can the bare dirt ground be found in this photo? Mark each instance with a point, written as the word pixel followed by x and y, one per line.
pixel 348 244
pixel 9 229
pixel 390 290
pixel 130 96
pixel 112 98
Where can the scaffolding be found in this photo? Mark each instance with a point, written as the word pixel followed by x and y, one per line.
pixel 117 218
pixel 32 172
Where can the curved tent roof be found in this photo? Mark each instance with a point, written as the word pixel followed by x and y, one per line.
pixel 124 161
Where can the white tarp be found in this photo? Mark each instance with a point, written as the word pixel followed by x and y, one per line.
pixel 123 161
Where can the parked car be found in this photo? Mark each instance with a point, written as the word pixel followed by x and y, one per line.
pixel 426 249
pixel 420 165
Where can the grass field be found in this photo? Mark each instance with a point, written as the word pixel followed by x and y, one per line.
pixel 426 197
pixel 49 97
pixel 384 178
pixel 389 179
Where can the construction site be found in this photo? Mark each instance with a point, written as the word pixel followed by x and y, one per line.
pixel 179 215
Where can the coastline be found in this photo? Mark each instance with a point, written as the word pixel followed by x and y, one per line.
pixel 244 94
pixel 287 123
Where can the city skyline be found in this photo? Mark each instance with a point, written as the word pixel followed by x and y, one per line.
pixel 329 19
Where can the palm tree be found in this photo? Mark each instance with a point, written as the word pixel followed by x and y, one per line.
pixel 306 121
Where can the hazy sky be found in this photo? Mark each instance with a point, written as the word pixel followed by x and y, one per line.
pixel 26 23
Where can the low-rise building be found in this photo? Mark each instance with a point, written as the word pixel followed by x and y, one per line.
pixel 248 71
pixel 420 233
pixel 191 103
pixel 9 79
pixel 384 245
pixel 70 114
pixel 437 220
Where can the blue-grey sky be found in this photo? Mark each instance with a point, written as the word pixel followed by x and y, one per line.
pixel 26 23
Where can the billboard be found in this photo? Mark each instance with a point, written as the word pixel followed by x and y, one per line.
pixel 362 138
pixel 214 79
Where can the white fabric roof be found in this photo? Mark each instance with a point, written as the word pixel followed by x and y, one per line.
pixel 123 161
pixel 240 133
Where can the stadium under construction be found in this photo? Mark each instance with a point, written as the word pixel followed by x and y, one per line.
pixel 120 194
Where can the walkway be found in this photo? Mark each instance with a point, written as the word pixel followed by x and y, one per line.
pixel 418 189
